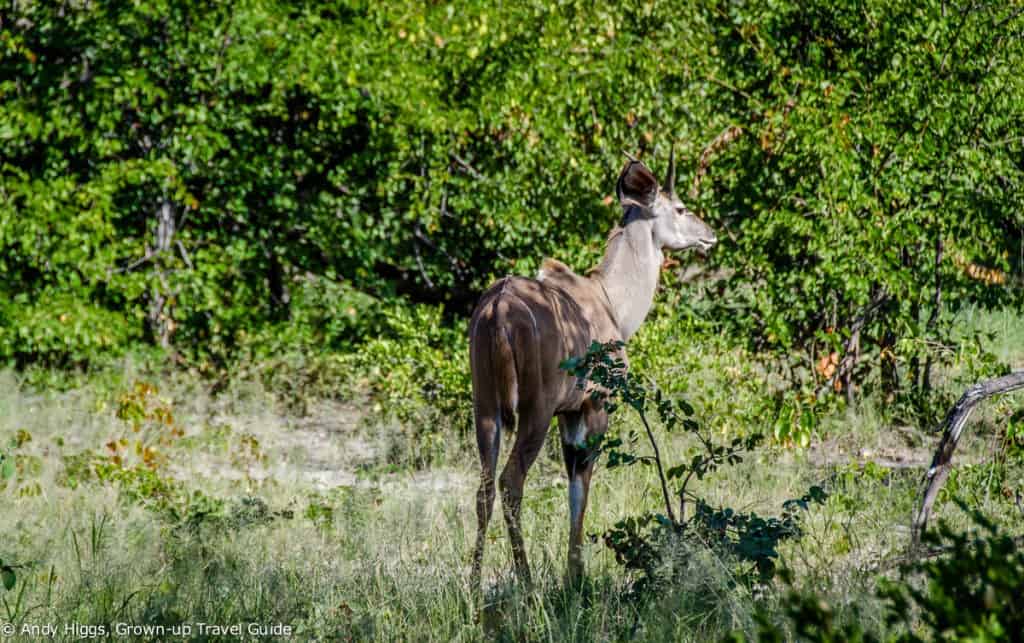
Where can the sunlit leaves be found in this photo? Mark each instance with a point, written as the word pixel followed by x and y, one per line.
pixel 423 150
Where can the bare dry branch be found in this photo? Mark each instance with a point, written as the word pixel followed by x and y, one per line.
pixel 954 425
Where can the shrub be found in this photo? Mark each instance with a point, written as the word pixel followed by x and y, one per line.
pixel 652 542
pixel 176 171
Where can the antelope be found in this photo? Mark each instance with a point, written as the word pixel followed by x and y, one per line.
pixel 523 328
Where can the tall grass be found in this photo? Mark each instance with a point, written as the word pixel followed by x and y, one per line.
pixel 261 515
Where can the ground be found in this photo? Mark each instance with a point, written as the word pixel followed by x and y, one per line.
pixel 231 508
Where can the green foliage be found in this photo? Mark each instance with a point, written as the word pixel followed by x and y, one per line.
pixel 188 511
pixel 418 371
pixel 420 361
pixel 998 476
pixel 652 543
pixel 6 467
pixel 971 594
pixel 752 538
pixel 1013 439
pixel 60 331
pixel 810 618
pixel 114 111
pixel 320 513
pixel 7 576
pixel 326 315
pixel 219 178
pixel 384 556
pixel 878 167
pixel 795 420
pixel 17 467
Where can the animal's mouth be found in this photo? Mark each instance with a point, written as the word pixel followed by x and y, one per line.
pixel 704 245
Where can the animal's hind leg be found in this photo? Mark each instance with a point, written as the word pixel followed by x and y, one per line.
pixel 488 440
pixel 530 433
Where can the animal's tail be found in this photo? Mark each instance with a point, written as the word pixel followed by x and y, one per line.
pixel 503 342
pixel 506 380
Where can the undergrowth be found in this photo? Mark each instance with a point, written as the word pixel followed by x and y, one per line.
pixel 145 494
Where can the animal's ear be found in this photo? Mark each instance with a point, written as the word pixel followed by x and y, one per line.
pixel 636 185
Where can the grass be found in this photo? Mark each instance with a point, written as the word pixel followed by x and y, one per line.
pixel 248 511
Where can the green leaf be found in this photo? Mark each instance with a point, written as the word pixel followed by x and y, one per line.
pixel 7 577
pixel 6 467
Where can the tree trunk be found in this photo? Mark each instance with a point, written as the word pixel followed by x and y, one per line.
pixel 280 297
pixel 161 323
pixel 926 383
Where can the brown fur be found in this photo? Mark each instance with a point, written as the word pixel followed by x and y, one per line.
pixel 523 328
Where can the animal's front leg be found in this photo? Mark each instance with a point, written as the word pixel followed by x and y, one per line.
pixel 579 465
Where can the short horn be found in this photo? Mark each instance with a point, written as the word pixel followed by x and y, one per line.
pixel 670 179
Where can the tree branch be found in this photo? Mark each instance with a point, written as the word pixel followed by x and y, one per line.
pixel 469 168
pixel 849 359
pixel 661 471
pixel 954 426
pixel 728 135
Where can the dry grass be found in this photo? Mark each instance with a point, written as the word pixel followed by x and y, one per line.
pixel 255 515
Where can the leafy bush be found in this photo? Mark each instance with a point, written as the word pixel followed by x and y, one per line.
pixel 651 543
pixel 7 576
pixel 973 593
pixel 419 373
pixel 198 175
pixel 867 180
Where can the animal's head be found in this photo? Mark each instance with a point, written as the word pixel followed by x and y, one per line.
pixel 673 225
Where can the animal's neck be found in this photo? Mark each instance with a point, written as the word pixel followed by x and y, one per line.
pixel 629 274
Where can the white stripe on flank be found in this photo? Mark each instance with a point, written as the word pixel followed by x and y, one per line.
pixel 536 329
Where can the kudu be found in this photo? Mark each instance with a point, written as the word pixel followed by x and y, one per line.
pixel 523 328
